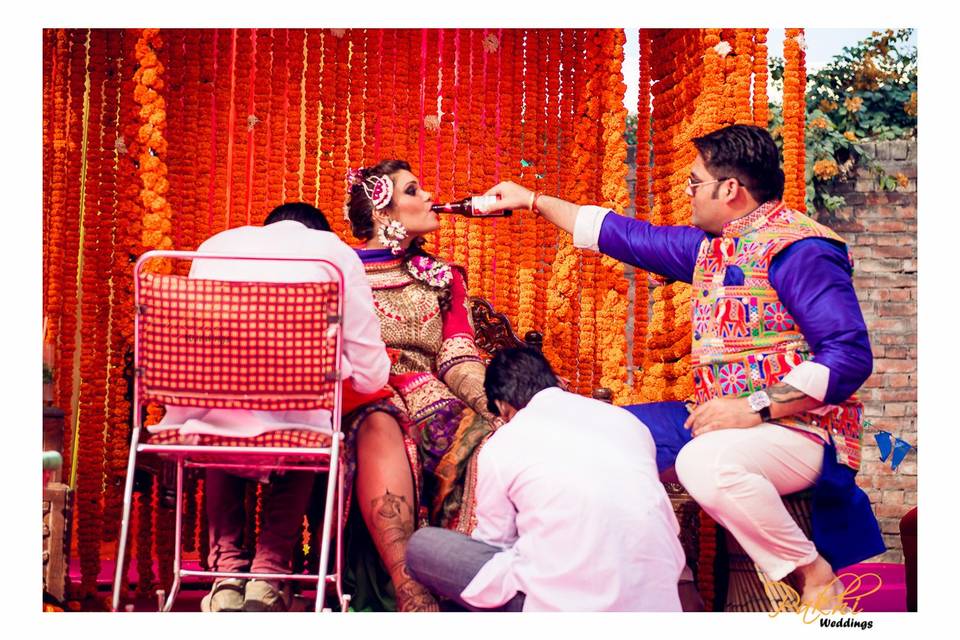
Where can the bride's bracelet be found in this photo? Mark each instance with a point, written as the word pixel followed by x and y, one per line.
pixel 533 201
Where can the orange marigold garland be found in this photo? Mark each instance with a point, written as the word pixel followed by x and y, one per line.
pixel 359 41
pixel 793 117
pixel 526 227
pixel 744 75
pixel 67 335
pixel 236 129
pixel 490 160
pixel 320 97
pixel 446 155
pixel 115 431
pixel 559 334
pixel 428 163
pixel 127 245
pixel 259 122
pixel 612 316
pixel 153 170
pixel 49 53
pixel 388 102
pixel 546 232
pixel 278 119
pixel 57 227
pixel 335 166
pixel 90 422
pixel 478 86
pixel 588 111
pixel 223 87
pixel 206 165
pixel 499 245
pixel 374 108
pixel 292 183
pixel 463 124
pixel 641 206
pixel 761 107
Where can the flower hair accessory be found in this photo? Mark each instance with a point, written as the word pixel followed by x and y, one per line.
pixel 431 271
pixel 379 189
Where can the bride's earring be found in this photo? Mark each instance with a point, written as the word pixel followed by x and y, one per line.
pixel 391 235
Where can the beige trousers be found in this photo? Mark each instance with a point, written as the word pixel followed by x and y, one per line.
pixel 738 476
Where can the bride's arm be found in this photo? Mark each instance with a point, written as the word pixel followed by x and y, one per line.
pixel 458 363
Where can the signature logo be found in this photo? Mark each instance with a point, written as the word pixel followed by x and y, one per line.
pixel 835 598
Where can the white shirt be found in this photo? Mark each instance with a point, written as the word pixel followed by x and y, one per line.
pixel 364 353
pixel 569 489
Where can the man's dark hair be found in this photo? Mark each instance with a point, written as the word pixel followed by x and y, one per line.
pixel 306 214
pixel 747 153
pixel 516 375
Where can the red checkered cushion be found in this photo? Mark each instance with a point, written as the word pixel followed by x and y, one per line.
pixel 237 345
pixel 282 438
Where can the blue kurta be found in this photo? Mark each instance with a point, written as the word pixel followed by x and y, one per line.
pixel 813 279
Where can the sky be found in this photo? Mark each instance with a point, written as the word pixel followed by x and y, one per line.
pixel 822 45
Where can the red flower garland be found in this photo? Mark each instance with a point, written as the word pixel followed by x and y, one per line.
pixel 277 119
pixel 259 126
pixel 90 424
pixel 67 338
pixel 334 167
pixel 292 178
pixel 319 100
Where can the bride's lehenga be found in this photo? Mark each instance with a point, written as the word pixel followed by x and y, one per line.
pixel 436 380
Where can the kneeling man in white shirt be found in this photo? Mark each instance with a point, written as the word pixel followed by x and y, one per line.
pixel 571 514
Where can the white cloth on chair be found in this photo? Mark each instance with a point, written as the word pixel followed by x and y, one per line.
pixel 365 357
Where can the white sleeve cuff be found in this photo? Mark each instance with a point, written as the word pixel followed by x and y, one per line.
pixel 809 377
pixel 586 228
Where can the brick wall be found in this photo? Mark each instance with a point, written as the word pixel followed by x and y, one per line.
pixel 881 230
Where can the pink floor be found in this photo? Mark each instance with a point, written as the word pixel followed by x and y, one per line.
pixel 890 578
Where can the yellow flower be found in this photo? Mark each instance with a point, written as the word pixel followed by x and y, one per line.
pixel 849 135
pixel 825 169
pixel 902 180
pixel 853 104
pixel 819 123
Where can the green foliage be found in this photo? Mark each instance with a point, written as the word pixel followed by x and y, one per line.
pixel 866 93
pixel 631 132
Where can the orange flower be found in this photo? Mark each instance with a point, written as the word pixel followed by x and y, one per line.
pixel 819 123
pixel 828 105
pixel 902 180
pixel 910 106
pixel 825 169
pixel 853 104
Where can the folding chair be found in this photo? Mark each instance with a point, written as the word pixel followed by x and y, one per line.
pixel 270 346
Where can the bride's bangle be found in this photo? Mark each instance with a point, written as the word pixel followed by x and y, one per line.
pixel 533 201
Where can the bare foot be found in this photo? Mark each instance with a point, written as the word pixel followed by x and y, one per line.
pixel 821 589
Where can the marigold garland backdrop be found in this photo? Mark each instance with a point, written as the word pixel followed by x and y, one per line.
pixel 157 139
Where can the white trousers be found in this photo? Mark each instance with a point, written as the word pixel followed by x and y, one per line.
pixel 738 476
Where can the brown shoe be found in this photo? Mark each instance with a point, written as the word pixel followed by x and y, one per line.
pixel 261 595
pixel 226 596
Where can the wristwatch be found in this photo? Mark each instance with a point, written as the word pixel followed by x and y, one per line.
pixel 760 403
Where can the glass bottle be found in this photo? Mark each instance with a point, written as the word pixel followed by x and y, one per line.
pixel 472 207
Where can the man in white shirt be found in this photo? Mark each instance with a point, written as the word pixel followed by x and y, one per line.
pixel 292 229
pixel 571 514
